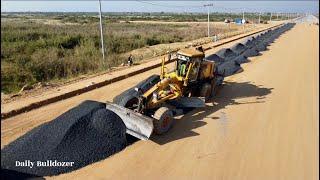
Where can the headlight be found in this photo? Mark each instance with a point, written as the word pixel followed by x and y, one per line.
pixel 155 95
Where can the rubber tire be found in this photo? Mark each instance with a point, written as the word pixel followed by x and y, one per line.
pixel 161 116
pixel 124 98
pixel 206 91
pixel 127 100
pixel 149 81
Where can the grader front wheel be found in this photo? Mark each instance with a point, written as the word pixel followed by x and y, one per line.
pixel 163 120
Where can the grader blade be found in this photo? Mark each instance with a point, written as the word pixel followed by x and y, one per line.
pixel 138 125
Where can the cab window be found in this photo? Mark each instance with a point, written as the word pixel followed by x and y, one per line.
pixel 194 71
pixel 182 67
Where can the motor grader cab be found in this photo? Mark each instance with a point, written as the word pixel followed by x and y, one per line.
pixel 188 85
pixel 190 67
pixel 188 64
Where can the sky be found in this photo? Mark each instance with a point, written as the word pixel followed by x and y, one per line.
pixel 160 6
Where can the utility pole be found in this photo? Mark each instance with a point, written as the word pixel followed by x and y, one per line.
pixel 270 16
pixel 101 30
pixel 290 15
pixel 259 17
pixel 229 24
pixel 243 14
pixel 243 21
pixel 208 22
pixel 207 5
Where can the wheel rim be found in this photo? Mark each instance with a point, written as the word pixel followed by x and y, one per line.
pixel 165 122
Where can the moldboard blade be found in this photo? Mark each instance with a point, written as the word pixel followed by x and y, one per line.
pixel 138 125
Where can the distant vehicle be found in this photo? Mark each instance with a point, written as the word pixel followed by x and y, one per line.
pixel 238 21
pixel 227 20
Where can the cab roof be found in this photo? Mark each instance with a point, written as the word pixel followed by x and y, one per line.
pixel 191 52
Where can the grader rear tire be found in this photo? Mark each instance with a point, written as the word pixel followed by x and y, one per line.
pixel 163 120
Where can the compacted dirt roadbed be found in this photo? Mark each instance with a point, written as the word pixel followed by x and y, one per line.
pixel 262 125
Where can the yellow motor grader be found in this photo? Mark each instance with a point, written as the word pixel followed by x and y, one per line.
pixel 151 105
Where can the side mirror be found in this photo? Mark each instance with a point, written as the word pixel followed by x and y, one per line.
pixel 137 89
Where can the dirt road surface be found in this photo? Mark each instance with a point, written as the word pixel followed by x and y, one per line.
pixel 262 125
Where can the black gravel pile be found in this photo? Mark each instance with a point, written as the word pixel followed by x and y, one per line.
pixel 228 60
pixel 229 55
pixel 251 52
pixel 238 48
pixel 260 43
pixel 226 54
pixel 240 59
pixel 228 68
pixel 224 67
pixel 9 174
pixel 261 47
pixel 214 57
pixel 83 135
pixel 248 43
pixel 269 36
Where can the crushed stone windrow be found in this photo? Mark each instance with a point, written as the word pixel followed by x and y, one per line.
pixel 83 135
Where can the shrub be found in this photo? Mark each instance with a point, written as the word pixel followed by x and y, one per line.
pixel 152 41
